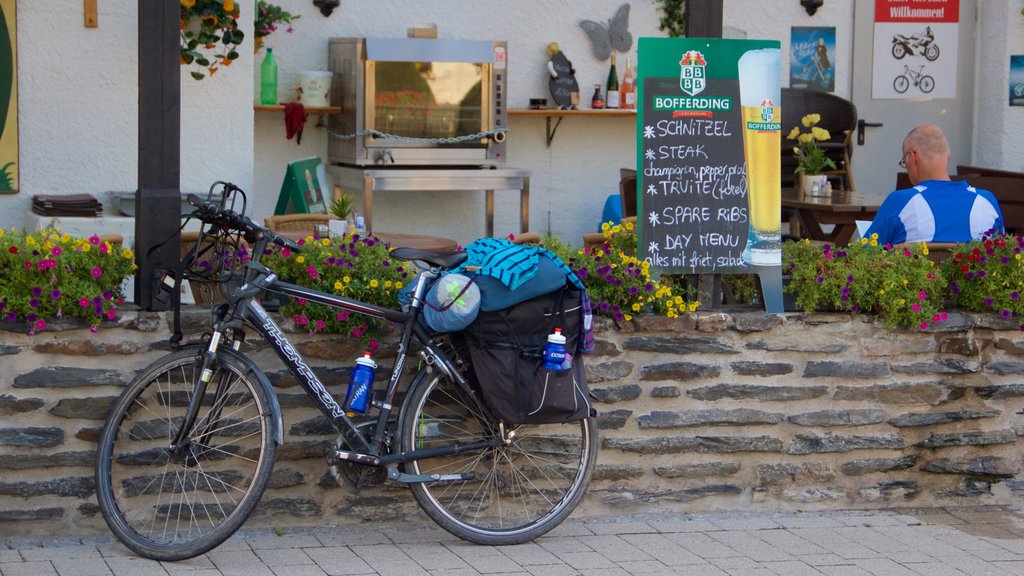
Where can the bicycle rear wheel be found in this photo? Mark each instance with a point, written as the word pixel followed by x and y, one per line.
pixel 519 490
pixel 172 506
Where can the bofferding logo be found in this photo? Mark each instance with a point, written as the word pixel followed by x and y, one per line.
pixel 692 78
pixel 767 110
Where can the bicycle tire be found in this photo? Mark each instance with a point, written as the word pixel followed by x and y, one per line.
pixel 900 84
pixel 521 490
pixel 167 508
pixel 927 84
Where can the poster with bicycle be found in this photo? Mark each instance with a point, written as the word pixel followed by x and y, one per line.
pixel 1017 80
pixel 915 49
pixel 812 59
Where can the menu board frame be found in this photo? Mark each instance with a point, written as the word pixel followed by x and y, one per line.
pixel 695 214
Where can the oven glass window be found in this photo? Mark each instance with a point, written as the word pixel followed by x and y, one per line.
pixel 428 99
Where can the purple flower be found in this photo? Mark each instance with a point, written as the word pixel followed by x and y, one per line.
pixel 12 316
pixel 55 294
pixel 821 279
pixel 603 307
pixel 988 302
pixel 1005 313
pixel 648 287
pixel 36 291
pixel 955 288
pixel 1014 295
pixel 981 273
pixel 107 295
pixel 854 308
pixel 1004 260
pixel 633 290
pixel 34 303
pixel 849 279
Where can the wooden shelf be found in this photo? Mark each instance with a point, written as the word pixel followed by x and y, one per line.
pixel 549 113
pixel 310 109
pixel 578 112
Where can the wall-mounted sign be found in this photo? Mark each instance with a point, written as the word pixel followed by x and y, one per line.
pixel 915 49
pixel 1017 80
pixel 812 60
pixel 708 155
pixel 8 97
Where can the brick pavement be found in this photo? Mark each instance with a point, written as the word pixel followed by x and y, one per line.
pixel 925 542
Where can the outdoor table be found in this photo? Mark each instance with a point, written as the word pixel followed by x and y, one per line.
pixel 841 209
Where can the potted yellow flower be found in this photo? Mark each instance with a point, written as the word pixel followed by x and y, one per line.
pixel 811 158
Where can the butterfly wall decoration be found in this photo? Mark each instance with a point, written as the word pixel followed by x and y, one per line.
pixel 613 36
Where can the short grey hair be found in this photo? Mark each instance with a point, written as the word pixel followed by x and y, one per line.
pixel 928 140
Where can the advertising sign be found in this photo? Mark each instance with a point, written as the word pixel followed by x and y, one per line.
pixel 812 58
pixel 708 155
pixel 1017 80
pixel 915 49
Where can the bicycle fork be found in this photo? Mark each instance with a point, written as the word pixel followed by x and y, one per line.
pixel 179 448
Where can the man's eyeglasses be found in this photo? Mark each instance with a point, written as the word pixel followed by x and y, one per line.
pixel 903 160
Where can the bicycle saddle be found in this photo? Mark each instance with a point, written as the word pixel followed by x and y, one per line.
pixel 446 260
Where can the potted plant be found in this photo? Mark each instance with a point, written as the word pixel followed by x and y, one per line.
pixel 268 18
pixel 344 209
pixel 209 35
pixel 811 158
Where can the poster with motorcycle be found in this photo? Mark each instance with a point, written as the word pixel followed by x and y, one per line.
pixel 812 58
pixel 915 49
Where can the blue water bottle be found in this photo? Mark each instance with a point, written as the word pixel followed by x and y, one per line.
pixel 360 385
pixel 555 356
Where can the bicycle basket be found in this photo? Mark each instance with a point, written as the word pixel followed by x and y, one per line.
pixel 214 261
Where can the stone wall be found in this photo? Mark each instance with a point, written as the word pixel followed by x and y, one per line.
pixel 711 412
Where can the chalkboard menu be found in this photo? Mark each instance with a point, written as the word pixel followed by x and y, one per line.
pixel 563 86
pixel 694 214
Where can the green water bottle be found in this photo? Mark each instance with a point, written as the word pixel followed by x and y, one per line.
pixel 268 79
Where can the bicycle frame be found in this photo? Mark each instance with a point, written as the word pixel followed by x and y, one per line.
pixel 365 450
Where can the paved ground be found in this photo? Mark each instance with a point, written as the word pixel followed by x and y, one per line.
pixel 948 542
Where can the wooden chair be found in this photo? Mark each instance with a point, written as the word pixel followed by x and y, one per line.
pixel 530 238
pixel 838 116
pixel 296 222
pixel 938 252
pixel 202 292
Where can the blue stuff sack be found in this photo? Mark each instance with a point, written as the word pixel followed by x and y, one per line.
pixel 495 295
pixel 452 303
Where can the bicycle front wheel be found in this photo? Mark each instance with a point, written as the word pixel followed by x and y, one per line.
pixel 172 505
pixel 517 490
pixel 900 84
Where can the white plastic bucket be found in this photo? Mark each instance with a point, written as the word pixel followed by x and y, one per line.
pixel 313 88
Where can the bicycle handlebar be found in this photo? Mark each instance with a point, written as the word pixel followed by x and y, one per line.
pixel 215 215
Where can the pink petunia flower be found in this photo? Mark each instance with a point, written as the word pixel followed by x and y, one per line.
pixel 96 272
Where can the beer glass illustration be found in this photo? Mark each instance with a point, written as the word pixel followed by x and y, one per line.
pixel 760 93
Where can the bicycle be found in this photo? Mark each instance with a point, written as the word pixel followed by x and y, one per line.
pixel 923 81
pixel 187 450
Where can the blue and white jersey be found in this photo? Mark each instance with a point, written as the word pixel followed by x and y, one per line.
pixel 936 211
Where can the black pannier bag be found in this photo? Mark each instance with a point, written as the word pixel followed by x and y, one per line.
pixel 506 347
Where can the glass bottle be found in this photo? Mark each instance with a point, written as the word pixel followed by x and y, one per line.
pixel 597 102
pixel 612 92
pixel 627 97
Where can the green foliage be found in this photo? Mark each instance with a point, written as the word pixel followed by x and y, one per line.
pixel 269 17
pixel 342 206
pixel 209 35
pixel 987 275
pixel 351 266
pixel 46 275
pixel 900 285
pixel 673 17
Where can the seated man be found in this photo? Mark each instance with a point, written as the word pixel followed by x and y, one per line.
pixel 935 209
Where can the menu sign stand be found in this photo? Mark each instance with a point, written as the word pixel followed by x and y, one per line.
pixel 708 158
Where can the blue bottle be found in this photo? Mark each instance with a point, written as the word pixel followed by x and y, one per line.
pixel 357 398
pixel 555 356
